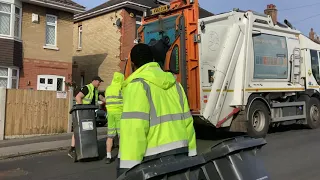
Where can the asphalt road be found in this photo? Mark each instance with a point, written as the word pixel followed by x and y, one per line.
pixel 291 154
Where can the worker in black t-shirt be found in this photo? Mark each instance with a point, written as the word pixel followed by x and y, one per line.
pixel 88 95
pixel 85 91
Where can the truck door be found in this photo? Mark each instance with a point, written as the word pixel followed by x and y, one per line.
pixel 315 69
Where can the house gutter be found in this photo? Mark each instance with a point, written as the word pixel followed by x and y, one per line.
pixel 78 17
pixel 56 5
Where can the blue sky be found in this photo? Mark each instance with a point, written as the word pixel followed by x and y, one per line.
pixel 303 18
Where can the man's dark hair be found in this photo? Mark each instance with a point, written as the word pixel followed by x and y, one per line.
pixel 141 54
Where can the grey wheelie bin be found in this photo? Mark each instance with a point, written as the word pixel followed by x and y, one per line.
pixel 231 159
pixel 85 131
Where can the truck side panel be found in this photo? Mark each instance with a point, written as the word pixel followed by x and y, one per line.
pixel 220 49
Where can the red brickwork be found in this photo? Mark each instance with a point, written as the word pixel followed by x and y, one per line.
pixel 128 35
pixel 34 67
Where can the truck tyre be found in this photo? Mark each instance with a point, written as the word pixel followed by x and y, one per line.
pixel 313 113
pixel 259 120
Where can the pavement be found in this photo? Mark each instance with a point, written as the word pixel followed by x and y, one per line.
pixel 291 153
pixel 33 145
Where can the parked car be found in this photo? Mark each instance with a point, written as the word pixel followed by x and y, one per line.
pixel 101 115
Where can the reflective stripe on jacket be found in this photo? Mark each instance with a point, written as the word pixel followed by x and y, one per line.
pixel 113 94
pixel 156 116
pixel 88 98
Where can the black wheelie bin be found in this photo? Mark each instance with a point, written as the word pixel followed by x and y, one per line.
pixel 85 132
pixel 231 159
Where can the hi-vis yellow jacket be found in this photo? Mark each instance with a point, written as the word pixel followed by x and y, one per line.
pixel 89 97
pixel 156 117
pixel 113 94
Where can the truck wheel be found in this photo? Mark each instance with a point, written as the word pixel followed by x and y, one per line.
pixel 259 120
pixel 313 113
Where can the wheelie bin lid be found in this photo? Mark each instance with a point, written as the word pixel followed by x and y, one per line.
pixel 233 145
pixel 156 170
pixel 77 107
pixel 221 149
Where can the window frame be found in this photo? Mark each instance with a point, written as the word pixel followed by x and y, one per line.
pixel 56 27
pixel 317 53
pixel 20 22
pixel 253 78
pixel 138 23
pixel 80 34
pixel 54 81
pixel 10 21
pixel 10 77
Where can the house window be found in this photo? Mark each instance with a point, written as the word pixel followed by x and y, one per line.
pixel 51 30
pixel 138 23
pixel 5 18
pixel 80 37
pixel 9 77
pixel 17 22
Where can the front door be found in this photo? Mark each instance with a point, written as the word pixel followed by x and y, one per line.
pixel 50 83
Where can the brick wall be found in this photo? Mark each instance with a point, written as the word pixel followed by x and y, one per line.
pixel 128 35
pixel 100 52
pixel 33 34
pixel 36 59
pixel 34 67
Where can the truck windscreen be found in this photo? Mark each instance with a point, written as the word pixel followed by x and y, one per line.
pixel 158 29
pixel 160 35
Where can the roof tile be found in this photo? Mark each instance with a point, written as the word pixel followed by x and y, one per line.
pixel 67 2
pixel 151 3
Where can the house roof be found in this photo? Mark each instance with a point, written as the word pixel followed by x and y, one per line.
pixel 68 2
pixel 204 13
pixel 135 4
pixel 64 5
pixel 148 3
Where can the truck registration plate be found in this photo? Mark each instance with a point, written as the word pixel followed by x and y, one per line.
pixel 159 9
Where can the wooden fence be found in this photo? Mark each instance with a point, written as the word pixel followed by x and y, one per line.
pixel 30 112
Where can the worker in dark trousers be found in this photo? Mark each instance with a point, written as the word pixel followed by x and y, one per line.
pixel 88 94
pixel 156 120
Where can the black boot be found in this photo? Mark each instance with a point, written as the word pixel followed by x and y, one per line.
pixel 108 160
pixel 72 152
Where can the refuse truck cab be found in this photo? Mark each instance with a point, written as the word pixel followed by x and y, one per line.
pixel 240 71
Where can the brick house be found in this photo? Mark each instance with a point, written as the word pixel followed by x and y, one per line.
pixel 36 43
pixel 104 36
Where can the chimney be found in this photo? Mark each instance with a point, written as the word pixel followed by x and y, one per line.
pixel 273 12
pixel 311 34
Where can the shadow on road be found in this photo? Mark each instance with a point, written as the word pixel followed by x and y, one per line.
pixel 102 151
pixel 205 132
pixel 102 148
pixel 282 128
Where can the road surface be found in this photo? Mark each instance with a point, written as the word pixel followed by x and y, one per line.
pixel 291 154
